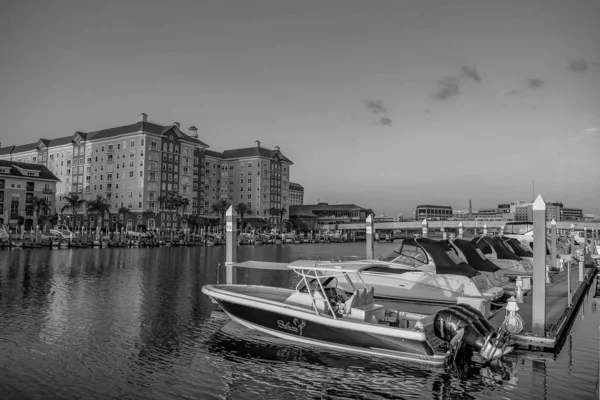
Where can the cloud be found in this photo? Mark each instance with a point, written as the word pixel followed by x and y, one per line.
pixel 385 121
pixel 514 92
pixel 448 86
pixel 472 73
pixel 535 83
pixel 375 106
pixel 578 65
pixel 593 133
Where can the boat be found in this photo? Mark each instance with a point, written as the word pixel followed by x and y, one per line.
pixel 497 251
pixel 318 313
pixel 471 254
pixel 522 231
pixel 428 272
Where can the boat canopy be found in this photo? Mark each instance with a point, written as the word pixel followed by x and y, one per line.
pixel 474 256
pixel 351 267
pixel 418 252
pixel 517 247
pixel 488 244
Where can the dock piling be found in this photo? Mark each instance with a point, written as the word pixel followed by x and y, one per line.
pixel 580 270
pixel 569 294
pixel 553 247
pixel 485 230
pixel 425 228
pixel 230 245
pixel 370 237
pixel 460 230
pixel 539 267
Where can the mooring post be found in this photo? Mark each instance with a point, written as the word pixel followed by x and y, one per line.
pixel 424 228
pixel 370 228
pixel 485 231
pixel 230 245
pixel 460 230
pixel 444 234
pixel 553 239
pixel 539 267
pixel 580 270
pixel 585 245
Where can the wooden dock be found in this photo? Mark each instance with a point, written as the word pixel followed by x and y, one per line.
pixel 559 316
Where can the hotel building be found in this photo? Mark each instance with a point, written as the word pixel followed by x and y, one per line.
pixel 296 194
pixel 137 166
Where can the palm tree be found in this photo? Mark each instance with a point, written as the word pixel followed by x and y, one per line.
pixel 40 205
pixel 243 209
pixel 73 203
pixel 220 207
pixel 281 213
pixel 101 206
pixel 123 211
pixel 183 202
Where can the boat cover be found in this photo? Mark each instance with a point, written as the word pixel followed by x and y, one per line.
pixel 475 258
pixel 487 243
pixel 440 253
pixel 516 246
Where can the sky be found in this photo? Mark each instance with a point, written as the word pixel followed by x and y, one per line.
pixel 383 104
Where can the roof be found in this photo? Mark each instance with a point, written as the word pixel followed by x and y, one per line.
pixel 347 266
pixel 45 173
pixel 254 152
pixel 294 185
pixel 430 206
pixel 149 127
pixel 327 207
pixel 214 154
pixel 301 211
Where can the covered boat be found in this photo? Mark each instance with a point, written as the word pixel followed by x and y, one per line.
pixel 496 250
pixel 317 312
pixel 427 271
pixel 470 253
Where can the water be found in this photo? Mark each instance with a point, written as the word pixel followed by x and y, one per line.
pixel 133 324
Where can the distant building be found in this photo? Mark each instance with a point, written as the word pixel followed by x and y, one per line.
pixel 386 218
pixel 19 184
pixel 433 213
pixel 504 208
pixel 572 214
pixel 296 194
pixel 324 213
pixel 554 211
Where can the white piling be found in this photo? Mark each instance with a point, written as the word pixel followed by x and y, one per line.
pixel 569 297
pixel 230 245
pixel 581 271
pixel 370 228
pixel 553 247
pixel 539 267
pixel 485 229
pixel 460 230
pixel 425 228
pixel 444 234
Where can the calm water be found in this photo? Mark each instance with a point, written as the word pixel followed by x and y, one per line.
pixel 133 324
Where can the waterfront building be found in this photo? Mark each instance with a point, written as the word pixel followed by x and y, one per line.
pixel 571 214
pixel 554 210
pixel 386 218
pixel 257 176
pixel 324 213
pixel 20 183
pixel 296 194
pixel 158 173
pixel 433 213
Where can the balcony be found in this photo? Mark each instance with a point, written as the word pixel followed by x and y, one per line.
pixel 47 191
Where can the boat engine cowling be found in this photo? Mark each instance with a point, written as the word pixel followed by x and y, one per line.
pixel 463 323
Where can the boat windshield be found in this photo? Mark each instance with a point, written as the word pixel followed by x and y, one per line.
pixel 487 244
pixel 408 253
pixel 474 256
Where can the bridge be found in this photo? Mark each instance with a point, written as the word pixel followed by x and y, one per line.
pixel 417 225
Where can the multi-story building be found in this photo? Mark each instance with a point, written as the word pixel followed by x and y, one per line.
pixel 433 213
pixel 296 194
pixel 324 213
pixel 572 214
pixel 19 184
pixel 257 176
pixel 142 166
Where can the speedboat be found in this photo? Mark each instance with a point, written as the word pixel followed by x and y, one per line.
pixel 525 251
pixel 318 313
pixel 427 271
pixel 498 252
pixel 470 253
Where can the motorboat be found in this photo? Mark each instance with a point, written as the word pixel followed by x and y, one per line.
pixel 498 252
pixel 427 271
pixel 471 254
pixel 526 251
pixel 319 313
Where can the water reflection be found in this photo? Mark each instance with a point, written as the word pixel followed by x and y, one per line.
pixel 133 323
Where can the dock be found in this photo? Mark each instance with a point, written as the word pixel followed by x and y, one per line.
pixel 559 315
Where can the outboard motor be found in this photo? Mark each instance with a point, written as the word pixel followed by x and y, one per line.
pixel 464 324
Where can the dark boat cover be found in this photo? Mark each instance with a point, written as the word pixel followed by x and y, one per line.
pixel 487 243
pixel 440 253
pixel 475 258
pixel 517 248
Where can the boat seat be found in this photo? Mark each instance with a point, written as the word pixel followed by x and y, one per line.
pixel 351 303
pixel 372 313
pixel 361 297
pixel 370 296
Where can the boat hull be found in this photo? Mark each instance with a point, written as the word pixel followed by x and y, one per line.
pixel 311 332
